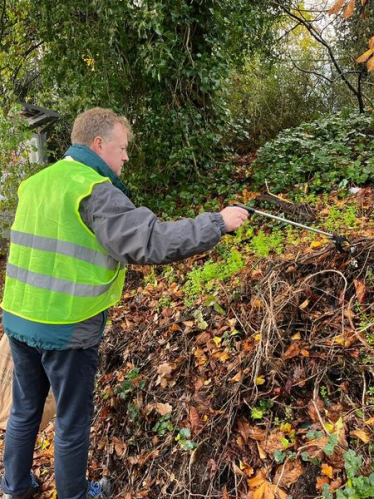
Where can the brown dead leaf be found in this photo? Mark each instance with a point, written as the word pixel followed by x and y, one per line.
pixel 247 431
pixel 360 290
pixel 312 410
pixel 119 446
pixel 238 377
pixel 273 442
pixel 261 452
pixel 163 409
pixel 362 435
pixel 263 489
pixel 321 481
pixel 370 421
pixel 203 338
pixel 304 304
pixel 165 369
pixel 195 421
pixel 336 484
pixel 289 473
pixel 334 412
pixel 292 351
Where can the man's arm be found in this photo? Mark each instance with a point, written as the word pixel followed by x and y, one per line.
pixel 136 235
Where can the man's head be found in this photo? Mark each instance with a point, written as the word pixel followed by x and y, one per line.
pixel 106 133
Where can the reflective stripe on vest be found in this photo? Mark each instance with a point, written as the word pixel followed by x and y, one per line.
pixel 54 284
pixel 63 248
pixel 58 272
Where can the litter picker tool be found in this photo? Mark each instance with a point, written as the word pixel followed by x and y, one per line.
pixel 341 243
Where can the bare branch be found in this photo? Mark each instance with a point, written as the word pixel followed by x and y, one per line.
pixel 307 71
pixel 288 32
pixel 316 34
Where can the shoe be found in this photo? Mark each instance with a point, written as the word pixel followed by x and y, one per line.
pixel 27 495
pixel 99 490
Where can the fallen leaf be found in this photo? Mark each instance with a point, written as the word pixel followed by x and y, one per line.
pixel 260 380
pixel 289 473
pixel 261 452
pixel 263 489
pixel 327 470
pixel 304 304
pixel 321 481
pixel 119 446
pixel 292 351
pixel 296 336
pixel 222 356
pixel 274 441
pixel 165 369
pixel 362 435
pixel 370 64
pixel 247 431
pixel 312 410
pixel 237 377
pixel 194 419
pixel 163 409
pixel 360 290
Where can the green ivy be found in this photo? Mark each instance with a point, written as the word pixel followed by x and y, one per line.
pixel 335 151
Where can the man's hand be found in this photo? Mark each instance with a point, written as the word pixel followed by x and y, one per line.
pixel 233 217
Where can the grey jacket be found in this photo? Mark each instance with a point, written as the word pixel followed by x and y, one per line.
pixel 136 235
pixel 130 235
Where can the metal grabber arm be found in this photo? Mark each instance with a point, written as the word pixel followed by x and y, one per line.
pixel 342 244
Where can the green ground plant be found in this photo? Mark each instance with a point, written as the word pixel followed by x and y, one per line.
pixel 204 279
pixel 358 486
pixel 340 218
pixel 262 244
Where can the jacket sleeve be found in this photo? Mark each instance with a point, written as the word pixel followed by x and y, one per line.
pixel 136 235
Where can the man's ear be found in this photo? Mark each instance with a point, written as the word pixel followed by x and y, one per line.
pixel 96 145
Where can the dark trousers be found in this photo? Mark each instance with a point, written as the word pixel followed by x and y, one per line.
pixel 71 374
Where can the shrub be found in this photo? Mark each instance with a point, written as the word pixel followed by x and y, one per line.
pixel 335 151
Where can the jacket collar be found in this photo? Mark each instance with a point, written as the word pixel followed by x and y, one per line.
pixel 85 155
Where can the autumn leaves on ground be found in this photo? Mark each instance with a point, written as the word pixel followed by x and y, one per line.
pixel 255 385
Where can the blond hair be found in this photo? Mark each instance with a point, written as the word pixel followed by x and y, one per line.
pixel 97 122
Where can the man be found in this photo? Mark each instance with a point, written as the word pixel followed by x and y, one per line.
pixel 74 231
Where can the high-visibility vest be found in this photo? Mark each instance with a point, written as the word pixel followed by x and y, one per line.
pixel 57 272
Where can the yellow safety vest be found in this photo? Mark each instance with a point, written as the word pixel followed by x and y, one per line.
pixel 57 272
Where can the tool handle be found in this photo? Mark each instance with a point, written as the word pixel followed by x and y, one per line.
pixel 239 205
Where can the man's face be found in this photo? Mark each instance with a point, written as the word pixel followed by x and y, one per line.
pixel 114 150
